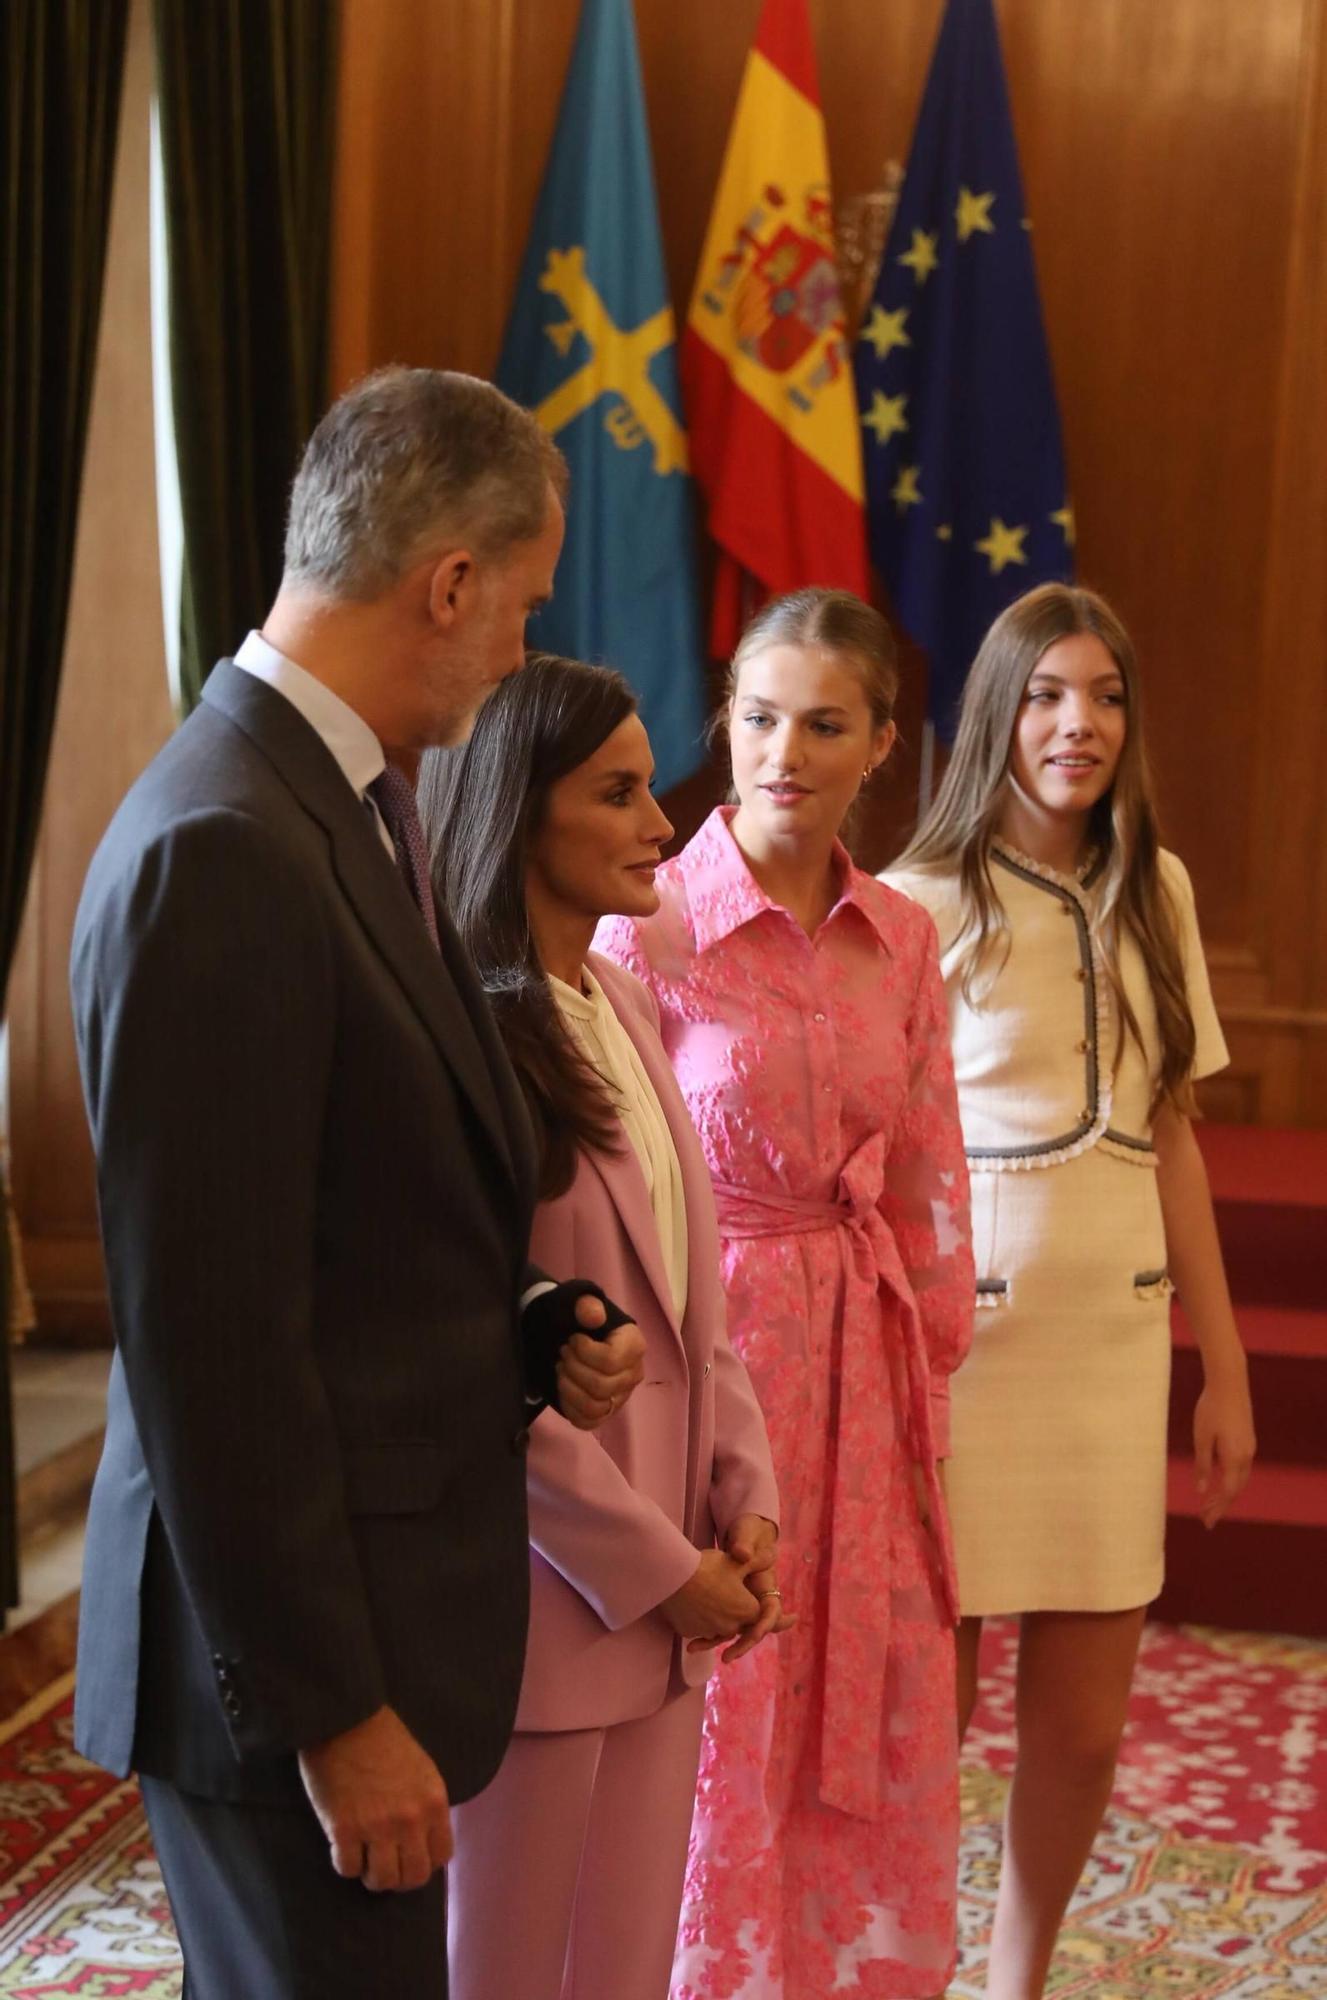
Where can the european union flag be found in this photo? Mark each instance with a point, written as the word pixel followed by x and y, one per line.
pixel 966 496
pixel 592 348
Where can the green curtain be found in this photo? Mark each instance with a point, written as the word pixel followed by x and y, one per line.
pixel 63 65
pixel 246 91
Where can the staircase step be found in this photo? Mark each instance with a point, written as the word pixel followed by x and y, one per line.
pixel 1265 1163
pixel 1276 1496
pixel 1283 1332
pixel 1250 1576
pixel 1287 1353
pixel 1269 1188
pixel 1261 1569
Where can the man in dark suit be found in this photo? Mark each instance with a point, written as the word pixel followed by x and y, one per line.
pixel 305 1590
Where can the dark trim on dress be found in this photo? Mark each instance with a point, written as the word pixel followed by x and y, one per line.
pixel 1092 1080
pixel 1123 1139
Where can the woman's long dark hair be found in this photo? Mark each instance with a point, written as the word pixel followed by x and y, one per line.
pixel 480 805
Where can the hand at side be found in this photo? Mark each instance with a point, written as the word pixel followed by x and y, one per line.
pixel 382 1803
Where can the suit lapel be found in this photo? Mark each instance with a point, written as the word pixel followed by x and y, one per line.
pixel 507 1092
pixel 374 888
pixel 621 1174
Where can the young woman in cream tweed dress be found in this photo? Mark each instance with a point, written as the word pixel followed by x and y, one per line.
pixel 1081 1016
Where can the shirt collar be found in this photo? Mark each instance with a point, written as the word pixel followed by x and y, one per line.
pixel 347 736
pixel 723 894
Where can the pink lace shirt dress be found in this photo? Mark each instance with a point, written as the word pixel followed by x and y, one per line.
pixel 819 1076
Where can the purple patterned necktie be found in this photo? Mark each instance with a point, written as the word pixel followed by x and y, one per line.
pixel 394 796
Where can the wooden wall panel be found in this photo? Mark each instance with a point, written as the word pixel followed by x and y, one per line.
pixel 1283 802
pixel 445 117
pixel 1175 158
pixel 1174 165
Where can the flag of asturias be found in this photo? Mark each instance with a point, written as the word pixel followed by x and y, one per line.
pixel 766 367
pixel 965 476
pixel 591 347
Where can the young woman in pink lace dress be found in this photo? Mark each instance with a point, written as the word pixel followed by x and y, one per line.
pixel 802 1008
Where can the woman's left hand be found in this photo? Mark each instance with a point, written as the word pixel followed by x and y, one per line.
pixel 754 1541
pixel 1223 1443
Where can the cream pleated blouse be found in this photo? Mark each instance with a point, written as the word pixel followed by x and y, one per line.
pixel 611 1053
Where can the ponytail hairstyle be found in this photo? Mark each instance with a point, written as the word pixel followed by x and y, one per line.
pixel 481 805
pixel 836 622
pixel 1132 897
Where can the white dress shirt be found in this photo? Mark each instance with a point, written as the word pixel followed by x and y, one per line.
pixel 356 749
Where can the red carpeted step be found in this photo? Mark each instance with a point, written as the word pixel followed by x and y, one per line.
pixel 1262 1569
pixel 1270 1191
pixel 1276 1495
pixel 1287 1353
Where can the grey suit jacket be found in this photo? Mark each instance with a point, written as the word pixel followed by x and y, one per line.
pixel 316 1179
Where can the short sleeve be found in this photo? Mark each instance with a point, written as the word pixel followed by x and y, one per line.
pixel 1210 1051
pixel 936 894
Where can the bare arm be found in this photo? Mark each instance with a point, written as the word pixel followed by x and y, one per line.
pixel 1223 1436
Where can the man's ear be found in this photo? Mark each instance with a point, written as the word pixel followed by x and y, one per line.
pixel 451 585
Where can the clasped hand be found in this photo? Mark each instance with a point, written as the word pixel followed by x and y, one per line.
pixel 733 1591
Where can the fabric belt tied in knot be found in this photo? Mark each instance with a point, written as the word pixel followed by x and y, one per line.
pixel 868 1481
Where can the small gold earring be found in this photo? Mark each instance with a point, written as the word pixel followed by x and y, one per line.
pixel 868 771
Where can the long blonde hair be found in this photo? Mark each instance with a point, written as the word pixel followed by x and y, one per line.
pixel 1131 894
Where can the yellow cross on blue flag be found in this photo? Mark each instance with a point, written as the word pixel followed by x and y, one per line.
pixel 967 505
pixel 591 347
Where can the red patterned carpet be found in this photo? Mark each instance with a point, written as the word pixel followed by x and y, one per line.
pixel 1209 1883
pixel 1210 1877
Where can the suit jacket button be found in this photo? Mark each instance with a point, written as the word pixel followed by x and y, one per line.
pixel 521 1442
pixel 232 1704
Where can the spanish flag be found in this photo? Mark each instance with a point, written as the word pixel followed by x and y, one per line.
pixel 766 370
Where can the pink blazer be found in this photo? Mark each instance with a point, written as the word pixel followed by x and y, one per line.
pixel 618 1516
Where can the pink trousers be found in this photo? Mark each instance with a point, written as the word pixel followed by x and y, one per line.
pixel 568 1871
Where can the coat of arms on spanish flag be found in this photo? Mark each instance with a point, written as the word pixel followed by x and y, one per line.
pixel 766 369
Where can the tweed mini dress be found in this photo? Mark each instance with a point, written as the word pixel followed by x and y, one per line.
pixel 1057 1479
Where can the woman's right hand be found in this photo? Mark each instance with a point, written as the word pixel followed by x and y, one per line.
pixel 714 1603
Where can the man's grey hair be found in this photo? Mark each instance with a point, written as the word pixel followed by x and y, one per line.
pixel 412 460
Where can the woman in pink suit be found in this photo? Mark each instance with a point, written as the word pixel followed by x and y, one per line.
pixel 805 1017
pixel 656 1543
